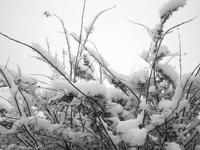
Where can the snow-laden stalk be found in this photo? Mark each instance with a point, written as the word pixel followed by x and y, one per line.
pixel 10 86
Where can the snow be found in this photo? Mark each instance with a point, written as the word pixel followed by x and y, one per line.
pixel 124 126
pixel 23 78
pixel 152 89
pixel 165 104
pixel 173 146
pixel 115 138
pixel 29 98
pixel 17 124
pixel 85 68
pixel 143 104
pixel 157 119
pixel 135 136
pixel 178 94
pixel 56 97
pixel 139 76
pixel 197 147
pixel 91 88
pixel 55 127
pixel 115 121
pixel 131 133
pixel 42 123
pixel 5 104
pixel 169 70
pixel 163 51
pixel 171 5
pixel 114 109
pixel 61 84
pixel 156 32
pixel 73 136
pixel 61 117
pixel 3 130
pixel 115 94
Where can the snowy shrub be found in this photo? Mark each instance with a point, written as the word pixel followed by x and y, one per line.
pixel 153 108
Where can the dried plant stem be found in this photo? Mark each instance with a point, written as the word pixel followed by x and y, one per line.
pixel 180 54
pixel 14 96
pixel 79 44
pixel 68 43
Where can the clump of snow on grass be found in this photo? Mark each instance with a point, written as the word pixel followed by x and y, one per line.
pixel 91 88
pixel 5 105
pixel 56 97
pixel 143 104
pixel 165 104
pixel 197 147
pixel 135 136
pixel 55 127
pixel 168 70
pixel 171 5
pixel 60 84
pixel 115 138
pixel 24 79
pixel 115 94
pixel 130 131
pixel 114 109
pixel 82 67
pixel 152 89
pixel 17 124
pixel 71 135
pixel 155 33
pixel 41 123
pixel 173 146
pixel 157 119
pixel 163 51
pixel 124 126
pixel 178 94
pixel 3 130
pixel 139 76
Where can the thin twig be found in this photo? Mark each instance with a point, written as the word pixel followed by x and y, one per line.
pixel 14 96
pixel 180 54
pixel 67 41
pixel 80 39
pixel 48 47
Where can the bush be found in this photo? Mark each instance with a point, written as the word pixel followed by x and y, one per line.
pixel 154 108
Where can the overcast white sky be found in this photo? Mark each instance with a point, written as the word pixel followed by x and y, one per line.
pixel 117 40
